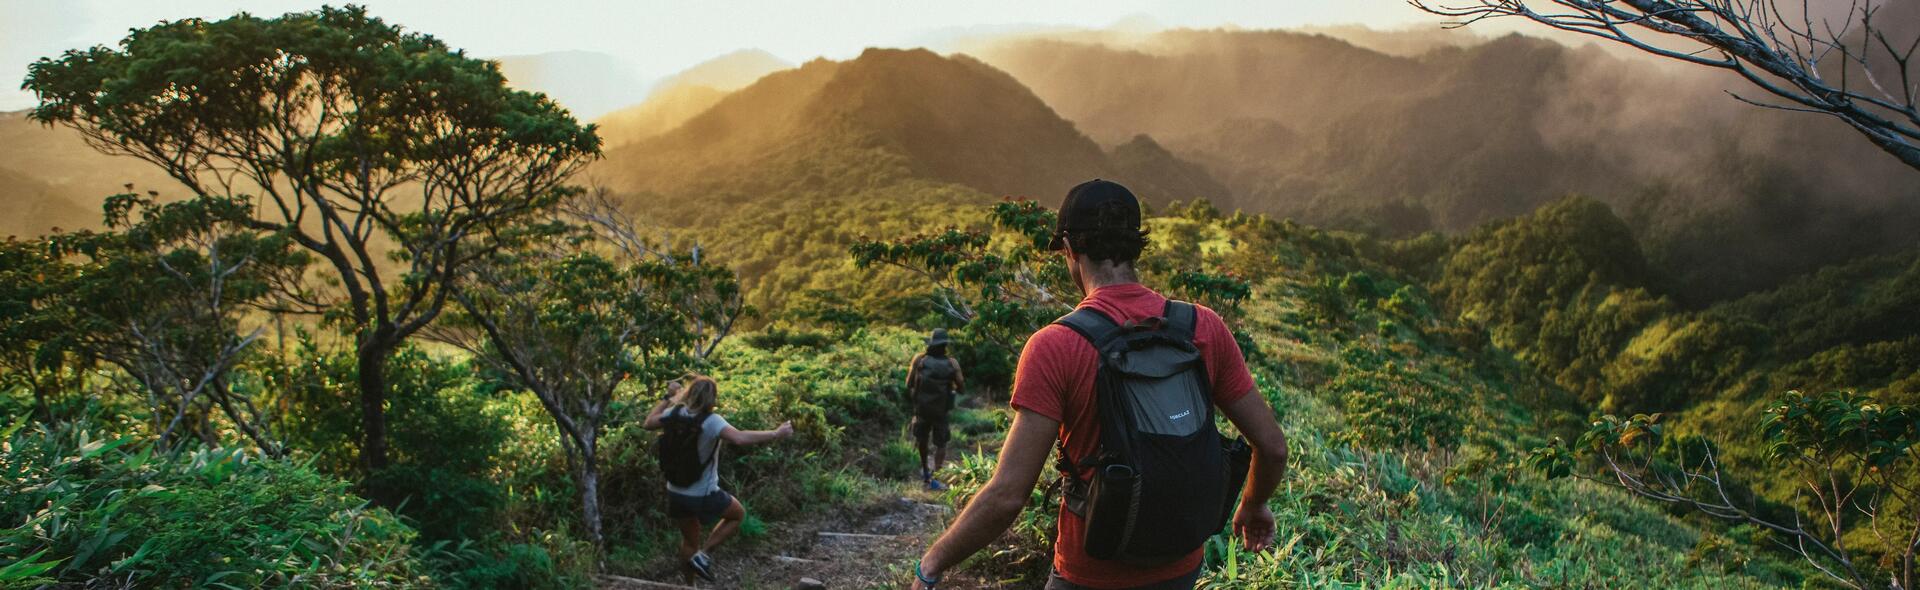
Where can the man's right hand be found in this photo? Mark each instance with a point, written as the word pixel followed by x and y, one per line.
pixel 1254 526
pixel 785 430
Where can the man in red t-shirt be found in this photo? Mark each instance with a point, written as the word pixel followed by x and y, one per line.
pixel 1053 392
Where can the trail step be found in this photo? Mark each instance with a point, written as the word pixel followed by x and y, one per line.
pixel 863 536
pixel 918 505
pixel 809 584
pixel 644 583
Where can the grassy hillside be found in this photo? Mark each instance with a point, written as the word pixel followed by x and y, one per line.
pixel 1563 290
pixel 1407 428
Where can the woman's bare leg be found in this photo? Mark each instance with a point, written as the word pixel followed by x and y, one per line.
pixel 689 543
pixel 689 537
pixel 729 524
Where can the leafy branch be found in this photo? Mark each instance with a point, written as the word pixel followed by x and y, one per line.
pixel 1853 460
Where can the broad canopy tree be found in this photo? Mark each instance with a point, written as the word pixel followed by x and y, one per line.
pixel 396 161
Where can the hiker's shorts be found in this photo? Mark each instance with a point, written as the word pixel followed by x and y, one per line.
pixel 1186 582
pixel 934 427
pixel 707 508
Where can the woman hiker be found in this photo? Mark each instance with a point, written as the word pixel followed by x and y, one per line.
pixel 689 453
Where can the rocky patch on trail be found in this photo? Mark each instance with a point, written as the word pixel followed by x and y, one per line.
pixel 866 546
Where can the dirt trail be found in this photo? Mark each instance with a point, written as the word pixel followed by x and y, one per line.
pixel 864 546
pixel 873 544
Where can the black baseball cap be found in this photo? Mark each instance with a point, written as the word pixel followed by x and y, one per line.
pixel 1095 205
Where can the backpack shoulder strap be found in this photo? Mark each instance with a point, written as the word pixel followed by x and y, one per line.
pixel 1092 325
pixel 700 423
pixel 1182 319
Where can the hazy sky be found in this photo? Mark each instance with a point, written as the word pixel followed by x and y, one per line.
pixel 661 37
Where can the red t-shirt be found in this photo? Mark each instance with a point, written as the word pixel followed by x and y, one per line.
pixel 1055 379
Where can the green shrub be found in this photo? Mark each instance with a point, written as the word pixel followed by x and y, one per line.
pixel 494 564
pixel 86 508
pixel 774 339
pixel 444 438
pixel 1026 550
pixel 899 460
pixel 1389 406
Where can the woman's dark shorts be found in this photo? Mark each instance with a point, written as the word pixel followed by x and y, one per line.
pixel 707 508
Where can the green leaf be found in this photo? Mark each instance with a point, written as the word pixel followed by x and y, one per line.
pixel 28 568
pixel 95 448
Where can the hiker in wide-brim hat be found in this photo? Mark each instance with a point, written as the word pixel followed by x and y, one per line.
pixel 933 380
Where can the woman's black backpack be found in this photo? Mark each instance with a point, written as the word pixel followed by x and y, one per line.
pixel 678 449
pixel 1164 479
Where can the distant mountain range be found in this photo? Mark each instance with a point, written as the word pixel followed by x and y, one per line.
pixel 589 84
pixel 1388 132
pixel 950 119
pixel 682 96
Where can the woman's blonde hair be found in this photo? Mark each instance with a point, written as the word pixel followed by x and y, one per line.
pixel 699 394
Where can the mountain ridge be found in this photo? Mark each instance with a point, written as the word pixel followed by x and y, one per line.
pixel 913 112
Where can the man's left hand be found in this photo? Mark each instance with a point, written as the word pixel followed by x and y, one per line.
pixel 1254 526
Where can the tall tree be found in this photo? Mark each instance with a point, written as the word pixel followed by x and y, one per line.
pixel 571 319
pixel 1858 68
pixel 394 159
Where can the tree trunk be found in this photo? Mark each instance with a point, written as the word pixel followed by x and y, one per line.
pixel 373 405
pixel 40 405
pixel 590 496
pixel 590 492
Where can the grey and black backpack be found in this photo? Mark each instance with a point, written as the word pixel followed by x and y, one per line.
pixel 678 449
pixel 933 385
pixel 1163 478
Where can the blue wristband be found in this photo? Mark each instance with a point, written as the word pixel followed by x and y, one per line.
pixel 917 574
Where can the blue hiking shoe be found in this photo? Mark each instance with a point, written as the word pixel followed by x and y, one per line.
pixel 702 566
